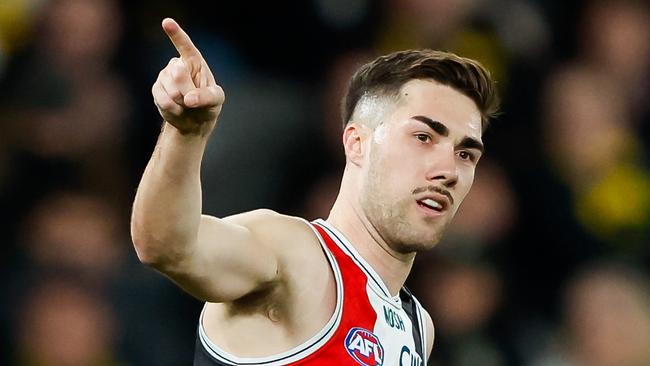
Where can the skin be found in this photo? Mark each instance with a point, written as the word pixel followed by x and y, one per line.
pixel 267 284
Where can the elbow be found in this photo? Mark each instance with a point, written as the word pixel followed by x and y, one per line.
pixel 158 247
pixel 153 253
pixel 145 250
pixel 160 253
pixel 145 256
pixel 145 245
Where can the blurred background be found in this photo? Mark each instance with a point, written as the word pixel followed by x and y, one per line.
pixel 546 264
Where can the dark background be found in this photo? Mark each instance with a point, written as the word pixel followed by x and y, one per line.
pixel 546 264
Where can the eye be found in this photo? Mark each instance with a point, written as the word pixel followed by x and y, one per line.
pixel 466 155
pixel 424 138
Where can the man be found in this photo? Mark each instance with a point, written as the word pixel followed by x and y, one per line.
pixel 280 290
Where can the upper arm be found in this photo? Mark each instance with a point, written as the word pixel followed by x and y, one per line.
pixel 233 256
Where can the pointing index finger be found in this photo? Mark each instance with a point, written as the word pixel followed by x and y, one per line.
pixel 181 40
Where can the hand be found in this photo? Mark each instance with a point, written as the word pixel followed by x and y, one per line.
pixel 185 92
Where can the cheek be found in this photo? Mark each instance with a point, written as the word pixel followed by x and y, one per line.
pixel 402 170
pixel 404 155
pixel 397 167
pixel 465 182
pixel 386 171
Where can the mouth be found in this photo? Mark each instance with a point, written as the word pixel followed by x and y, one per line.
pixel 434 205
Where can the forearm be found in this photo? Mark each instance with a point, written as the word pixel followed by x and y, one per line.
pixel 167 206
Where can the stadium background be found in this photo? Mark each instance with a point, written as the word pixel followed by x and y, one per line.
pixel 546 265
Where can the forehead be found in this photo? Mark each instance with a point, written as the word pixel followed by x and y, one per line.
pixel 441 103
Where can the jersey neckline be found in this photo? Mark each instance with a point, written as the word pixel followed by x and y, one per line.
pixel 377 283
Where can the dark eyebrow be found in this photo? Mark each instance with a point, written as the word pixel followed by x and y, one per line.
pixel 471 143
pixel 440 128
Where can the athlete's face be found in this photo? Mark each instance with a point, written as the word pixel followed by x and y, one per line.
pixel 420 164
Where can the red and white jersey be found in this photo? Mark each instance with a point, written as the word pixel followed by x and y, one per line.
pixel 369 327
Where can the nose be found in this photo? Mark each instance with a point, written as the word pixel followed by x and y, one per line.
pixel 442 167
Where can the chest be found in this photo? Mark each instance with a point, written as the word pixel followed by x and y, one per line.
pixel 376 330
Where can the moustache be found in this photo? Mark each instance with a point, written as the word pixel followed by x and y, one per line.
pixel 435 189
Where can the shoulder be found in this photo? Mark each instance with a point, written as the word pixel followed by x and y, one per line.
pixel 276 230
pixel 270 223
pixel 256 219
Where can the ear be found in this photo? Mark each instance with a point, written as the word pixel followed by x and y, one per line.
pixel 354 138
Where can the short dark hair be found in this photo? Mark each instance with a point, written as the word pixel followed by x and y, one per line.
pixel 387 74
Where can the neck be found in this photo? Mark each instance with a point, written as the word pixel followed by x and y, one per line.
pixel 348 218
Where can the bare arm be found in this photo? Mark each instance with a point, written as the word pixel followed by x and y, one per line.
pixel 213 259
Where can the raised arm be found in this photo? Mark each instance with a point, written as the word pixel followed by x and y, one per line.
pixel 213 259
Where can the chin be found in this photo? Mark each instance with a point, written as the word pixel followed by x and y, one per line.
pixel 416 243
pixel 404 248
pixel 410 235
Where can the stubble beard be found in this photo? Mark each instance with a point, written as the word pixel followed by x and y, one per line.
pixel 393 218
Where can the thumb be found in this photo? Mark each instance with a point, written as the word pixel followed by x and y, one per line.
pixel 205 97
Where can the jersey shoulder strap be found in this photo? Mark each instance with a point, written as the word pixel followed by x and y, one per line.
pixel 414 311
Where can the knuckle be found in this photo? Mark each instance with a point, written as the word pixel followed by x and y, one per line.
pixel 175 94
pixel 164 78
pixel 166 104
pixel 179 72
pixel 218 92
pixel 173 61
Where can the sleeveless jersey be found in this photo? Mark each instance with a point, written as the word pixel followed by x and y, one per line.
pixel 369 327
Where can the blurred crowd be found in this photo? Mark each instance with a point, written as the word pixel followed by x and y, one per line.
pixel 546 264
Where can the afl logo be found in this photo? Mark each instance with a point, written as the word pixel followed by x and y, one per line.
pixel 364 347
